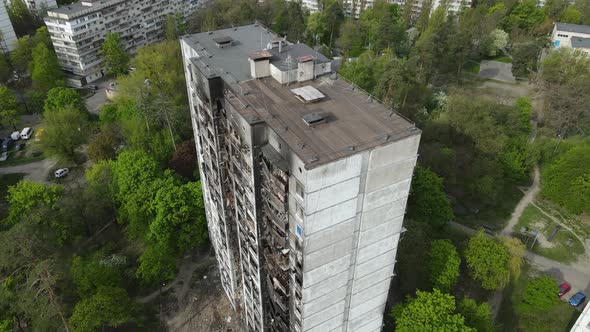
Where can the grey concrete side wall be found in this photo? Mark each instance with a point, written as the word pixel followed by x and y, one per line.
pixel 386 189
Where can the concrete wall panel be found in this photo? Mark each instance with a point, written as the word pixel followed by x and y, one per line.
pixel 367 306
pixel 326 271
pixel 366 318
pixel 385 213
pixel 333 195
pixel 323 316
pixel 329 285
pixel 394 152
pixel 390 174
pixel 377 248
pixel 375 264
pixel 333 173
pixel 376 234
pixel 370 292
pixel 331 216
pixel 324 301
pixel 329 236
pixel 334 324
pixel 327 254
pixel 386 195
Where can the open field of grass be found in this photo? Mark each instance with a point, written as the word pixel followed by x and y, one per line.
pixel 560 248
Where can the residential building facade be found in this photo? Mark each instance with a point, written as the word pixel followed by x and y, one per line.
pixel 355 7
pixel 39 7
pixel 583 322
pixel 7 35
pixel 305 180
pixel 571 36
pixel 78 30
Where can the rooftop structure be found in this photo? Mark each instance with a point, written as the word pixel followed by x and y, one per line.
pixel 305 181
pixel 583 322
pixel 7 35
pixel 78 30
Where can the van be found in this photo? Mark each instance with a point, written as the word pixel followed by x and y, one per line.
pixel 26 133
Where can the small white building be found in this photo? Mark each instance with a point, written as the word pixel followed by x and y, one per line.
pixel 583 322
pixel 571 36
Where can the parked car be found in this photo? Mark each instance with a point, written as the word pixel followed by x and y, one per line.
pixel 60 173
pixel 577 299
pixel 26 133
pixel 6 143
pixel 15 135
pixel 92 87
pixel 4 156
pixel 564 288
pixel 20 146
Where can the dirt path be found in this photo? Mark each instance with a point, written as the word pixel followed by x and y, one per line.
pixel 528 198
pixel 36 171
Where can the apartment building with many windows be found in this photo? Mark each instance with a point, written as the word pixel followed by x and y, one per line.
pixel 305 181
pixel 7 35
pixel 355 7
pixel 78 30
pixel 38 7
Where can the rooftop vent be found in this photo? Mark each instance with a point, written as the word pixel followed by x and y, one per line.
pixel 314 118
pixel 308 94
pixel 223 41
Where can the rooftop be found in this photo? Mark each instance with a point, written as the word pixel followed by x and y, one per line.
pixel 579 42
pixel 321 120
pixel 573 28
pixel 77 9
pixel 247 40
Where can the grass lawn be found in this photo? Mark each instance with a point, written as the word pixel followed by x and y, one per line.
pixel 503 59
pixel 559 318
pixel 7 180
pixel 560 250
pixel 472 67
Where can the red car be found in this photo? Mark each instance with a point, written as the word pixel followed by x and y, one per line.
pixel 564 288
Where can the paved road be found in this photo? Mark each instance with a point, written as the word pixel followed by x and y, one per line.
pixel 496 70
pixel 36 171
pixel 95 102
pixel 528 198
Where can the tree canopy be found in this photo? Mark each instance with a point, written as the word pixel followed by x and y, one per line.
pixel 428 202
pixel 487 261
pixel 430 311
pixel 444 265
pixel 115 58
pixel 540 294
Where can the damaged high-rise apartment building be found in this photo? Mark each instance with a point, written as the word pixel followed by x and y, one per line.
pixel 305 179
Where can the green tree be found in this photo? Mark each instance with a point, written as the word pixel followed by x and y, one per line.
pixel 106 144
pixel 65 131
pixel 4 69
pixel 566 181
pixel 46 72
pixel 430 311
pixel 22 55
pixel 115 57
pixel 23 21
pixel 565 80
pixel 487 261
pixel 517 251
pixel 179 216
pixel 427 202
pixel 9 108
pixel 526 16
pixel 444 265
pixel 27 195
pixel 540 295
pixel 89 274
pixel 60 98
pixel 477 316
pixel 110 306
pixel 156 264
pixel 571 15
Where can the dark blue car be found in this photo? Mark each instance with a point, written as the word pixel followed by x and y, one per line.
pixel 577 299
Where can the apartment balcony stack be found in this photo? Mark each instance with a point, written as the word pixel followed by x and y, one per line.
pixel 78 30
pixel 305 181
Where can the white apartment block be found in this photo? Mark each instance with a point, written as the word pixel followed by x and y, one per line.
pixel 583 322
pixel 39 6
pixel 7 35
pixel 571 36
pixel 305 181
pixel 360 5
pixel 78 30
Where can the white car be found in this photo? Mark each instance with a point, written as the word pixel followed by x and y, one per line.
pixel 4 156
pixel 60 173
pixel 15 135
